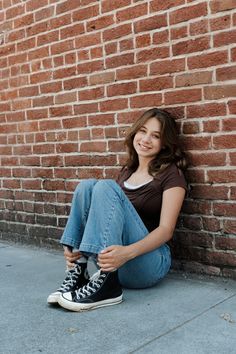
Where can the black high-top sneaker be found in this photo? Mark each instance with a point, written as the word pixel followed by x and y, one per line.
pixel 75 279
pixel 103 289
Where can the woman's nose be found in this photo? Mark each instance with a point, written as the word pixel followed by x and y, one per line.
pixel 146 137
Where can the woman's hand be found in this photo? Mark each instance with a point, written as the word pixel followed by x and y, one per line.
pixel 71 257
pixel 113 257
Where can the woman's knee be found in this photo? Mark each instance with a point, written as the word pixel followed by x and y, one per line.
pixel 104 185
pixel 85 184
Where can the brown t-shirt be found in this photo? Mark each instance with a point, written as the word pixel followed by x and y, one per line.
pixel 147 199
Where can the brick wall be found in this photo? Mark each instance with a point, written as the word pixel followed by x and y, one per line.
pixel 74 74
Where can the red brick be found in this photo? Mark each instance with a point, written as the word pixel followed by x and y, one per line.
pixel 150 23
pixel 23 20
pixel 86 108
pixel 31 5
pixel 218 5
pixel 226 73
pixel 72 31
pixel 43 101
pixel 191 128
pixel 201 77
pixel 91 94
pixel 44 13
pixel 60 111
pixel 126 44
pixel 11 183
pixel 108 5
pixel 120 60
pixel 224 141
pixel 211 126
pixel 224 209
pixel 114 105
pixel 74 122
pixel 211 224
pixel 96 52
pixel 179 32
pixel 135 11
pixel 181 96
pixel 85 13
pixel 218 92
pixel 51 87
pixel 232 106
pixel 102 78
pixel 36 28
pixel 157 5
pixel 232 156
pixel 206 110
pixel 156 84
pixel 197 207
pixel 111 48
pixel 121 89
pixel 64 73
pixel 212 192
pixel 143 41
pixel 221 176
pixel 90 67
pixel 152 54
pixel 88 40
pixel 229 226
pixel 187 13
pixel 199 27
pixel 62 47
pixel 101 119
pixel 224 38
pixel 149 100
pixel 117 32
pixel 26 44
pixel 75 83
pixel 161 37
pixel 191 46
pixel 167 66
pixel 99 23
pixel 228 124
pixel 54 160
pixel 198 143
pixel 67 6
pixel 91 146
pixel 207 60
pixel 116 145
pixel 15 11
pixel 65 98
pixel 220 23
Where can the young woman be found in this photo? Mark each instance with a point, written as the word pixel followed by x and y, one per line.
pixel 125 224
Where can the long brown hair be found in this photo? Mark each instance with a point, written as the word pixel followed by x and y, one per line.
pixel 170 152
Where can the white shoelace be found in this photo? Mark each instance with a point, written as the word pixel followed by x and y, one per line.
pixel 71 278
pixel 94 284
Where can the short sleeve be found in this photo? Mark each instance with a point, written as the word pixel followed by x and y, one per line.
pixel 171 177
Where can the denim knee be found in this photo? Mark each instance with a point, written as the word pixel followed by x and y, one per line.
pixel 104 185
pixel 86 184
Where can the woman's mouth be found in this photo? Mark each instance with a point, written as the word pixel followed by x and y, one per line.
pixel 144 147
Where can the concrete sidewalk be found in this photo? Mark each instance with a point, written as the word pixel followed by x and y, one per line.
pixel 183 314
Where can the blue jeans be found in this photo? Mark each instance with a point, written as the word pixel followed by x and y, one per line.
pixel 101 215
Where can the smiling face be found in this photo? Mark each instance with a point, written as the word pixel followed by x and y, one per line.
pixel 147 141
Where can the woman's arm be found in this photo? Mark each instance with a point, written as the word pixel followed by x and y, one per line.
pixel 115 256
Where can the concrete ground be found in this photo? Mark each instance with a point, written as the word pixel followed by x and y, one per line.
pixel 183 314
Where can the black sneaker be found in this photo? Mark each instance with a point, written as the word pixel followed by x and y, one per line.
pixel 103 289
pixel 75 279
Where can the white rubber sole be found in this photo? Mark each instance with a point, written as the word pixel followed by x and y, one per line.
pixel 53 298
pixel 79 307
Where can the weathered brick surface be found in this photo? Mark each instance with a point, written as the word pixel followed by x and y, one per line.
pixel 75 74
